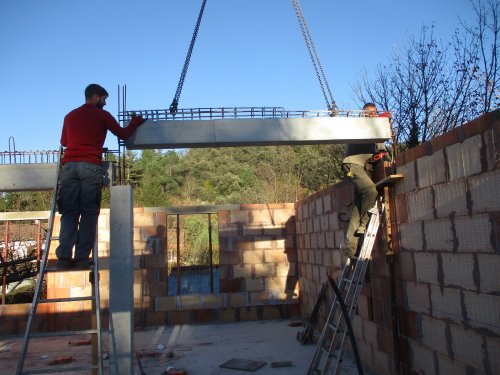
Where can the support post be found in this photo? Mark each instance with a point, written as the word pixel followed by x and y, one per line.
pixel 121 282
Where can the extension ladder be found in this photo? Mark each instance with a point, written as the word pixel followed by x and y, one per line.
pixel 96 367
pixel 331 344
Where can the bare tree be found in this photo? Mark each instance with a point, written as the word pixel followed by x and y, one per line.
pixel 433 87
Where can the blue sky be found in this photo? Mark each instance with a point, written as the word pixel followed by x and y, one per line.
pixel 248 53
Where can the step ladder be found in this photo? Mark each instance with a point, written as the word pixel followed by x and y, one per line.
pixel 331 344
pixel 95 330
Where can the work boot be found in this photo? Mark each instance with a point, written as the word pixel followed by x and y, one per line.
pixel 360 232
pixel 64 264
pixel 82 264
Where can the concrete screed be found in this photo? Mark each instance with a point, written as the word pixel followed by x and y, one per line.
pixel 198 349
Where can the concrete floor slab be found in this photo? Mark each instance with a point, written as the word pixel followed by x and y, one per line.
pixel 199 349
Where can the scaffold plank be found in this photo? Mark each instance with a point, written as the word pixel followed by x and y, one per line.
pixel 171 134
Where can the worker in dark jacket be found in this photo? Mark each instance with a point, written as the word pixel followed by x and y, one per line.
pixel 83 135
pixel 358 166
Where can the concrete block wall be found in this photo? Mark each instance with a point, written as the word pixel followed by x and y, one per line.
pixel 446 228
pixel 258 253
pixel 258 275
pixel 448 209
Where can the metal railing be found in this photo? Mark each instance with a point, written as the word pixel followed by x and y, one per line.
pixel 222 113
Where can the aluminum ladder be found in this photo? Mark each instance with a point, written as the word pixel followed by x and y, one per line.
pixel 331 344
pixel 96 367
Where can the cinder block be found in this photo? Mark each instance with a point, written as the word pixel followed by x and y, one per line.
pixel 474 233
pixel 464 159
pixel 236 299
pixel 254 285
pixel 382 362
pixel 339 239
pixel 420 205
pixel 327 203
pixel 285 269
pixel 490 137
pixel 261 217
pixel 483 311
pixel 264 270
pixel 319 205
pixel 253 257
pixel 422 360
pixel 333 221
pixel 275 256
pixel 446 304
pixel 411 236
pixel 179 317
pixel 263 243
pixel 143 219
pixel 426 267
pixel 405 267
pixel 330 239
pixel 484 190
pixel 467 346
pixel 438 235
pixel 458 270
pixel 213 301
pixel 417 297
pixel 169 303
pixel 239 216
pixel 243 270
pixel 366 353
pixel 370 332
pixel 430 169
pixel 317 224
pixel 449 366
pixel 408 183
pixel 493 350
pixel 282 216
pixel 190 301
pixel 489 266
pixel 451 198
pixel 434 334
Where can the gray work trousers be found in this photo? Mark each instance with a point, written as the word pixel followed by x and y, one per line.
pixel 80 200
pixel 365 195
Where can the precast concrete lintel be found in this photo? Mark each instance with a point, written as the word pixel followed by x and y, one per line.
pixel 39 176
pixel 259 132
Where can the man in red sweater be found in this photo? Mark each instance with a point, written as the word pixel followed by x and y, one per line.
pixel 83 135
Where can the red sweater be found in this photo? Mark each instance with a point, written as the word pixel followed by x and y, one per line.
pixel 84 132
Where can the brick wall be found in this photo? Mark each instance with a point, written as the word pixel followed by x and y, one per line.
pixel 447 230
pixel 258 275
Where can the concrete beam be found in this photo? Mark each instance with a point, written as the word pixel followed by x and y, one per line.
pixel 259 132
pixel 39 176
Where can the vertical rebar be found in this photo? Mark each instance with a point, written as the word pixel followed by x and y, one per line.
pixel 5 253
pixel 178 256
pixel 210 253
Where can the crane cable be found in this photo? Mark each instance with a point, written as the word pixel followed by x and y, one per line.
pixel 330 103
pixel 175 102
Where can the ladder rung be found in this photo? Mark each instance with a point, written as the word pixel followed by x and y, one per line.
pixel 54 238
pixel 69 299
pixel 63 333
pixel 61 369
pixel 332 326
